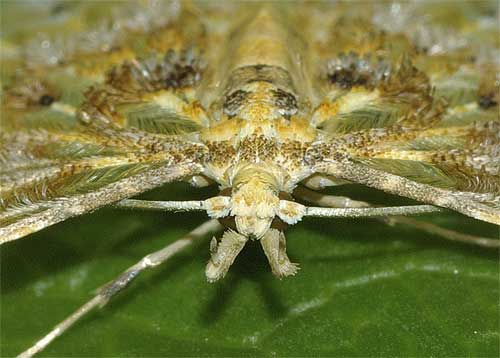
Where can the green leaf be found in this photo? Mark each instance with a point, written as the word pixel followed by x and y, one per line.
pixel 365 289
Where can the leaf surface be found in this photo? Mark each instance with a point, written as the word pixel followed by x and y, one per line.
pixel 364 289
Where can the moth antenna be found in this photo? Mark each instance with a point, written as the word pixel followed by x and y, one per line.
pixel 188 205
pixel 371 212
pixel 112 288
pixel 292 212
pixel 216 207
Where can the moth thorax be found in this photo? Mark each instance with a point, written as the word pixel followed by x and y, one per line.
pixel 254 201
pixel 260 101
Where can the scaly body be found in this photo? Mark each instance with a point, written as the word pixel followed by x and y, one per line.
pixel 106 100
pixel 257 99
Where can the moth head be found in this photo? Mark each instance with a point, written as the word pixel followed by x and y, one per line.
pixel 254 201
pixel 252 209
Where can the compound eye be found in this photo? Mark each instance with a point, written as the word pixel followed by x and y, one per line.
pixel 234 101
pixel 46 100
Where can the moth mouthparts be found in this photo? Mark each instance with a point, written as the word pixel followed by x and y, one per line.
pixel 255 203
pixel 224 252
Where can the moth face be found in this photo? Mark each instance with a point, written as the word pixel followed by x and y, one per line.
pixel 254 205
pixel 253 209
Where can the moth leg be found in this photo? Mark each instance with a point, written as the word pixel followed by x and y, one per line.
pixel 444 233
pixel 318 182
pixel 481 206
pixel 274 245
pixel 109 290
pixel 335 201
pixel 330 201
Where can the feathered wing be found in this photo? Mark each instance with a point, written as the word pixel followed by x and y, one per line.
pixel 414 116
pixel 482 206
pixel 88 120
pixel 23 219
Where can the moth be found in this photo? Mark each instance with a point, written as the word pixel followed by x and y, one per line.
pixel 268 102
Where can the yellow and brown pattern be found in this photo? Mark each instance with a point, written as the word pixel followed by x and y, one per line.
pixel 113 99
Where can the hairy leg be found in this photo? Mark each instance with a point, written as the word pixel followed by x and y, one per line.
pixel 109 290
pixel 343 202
